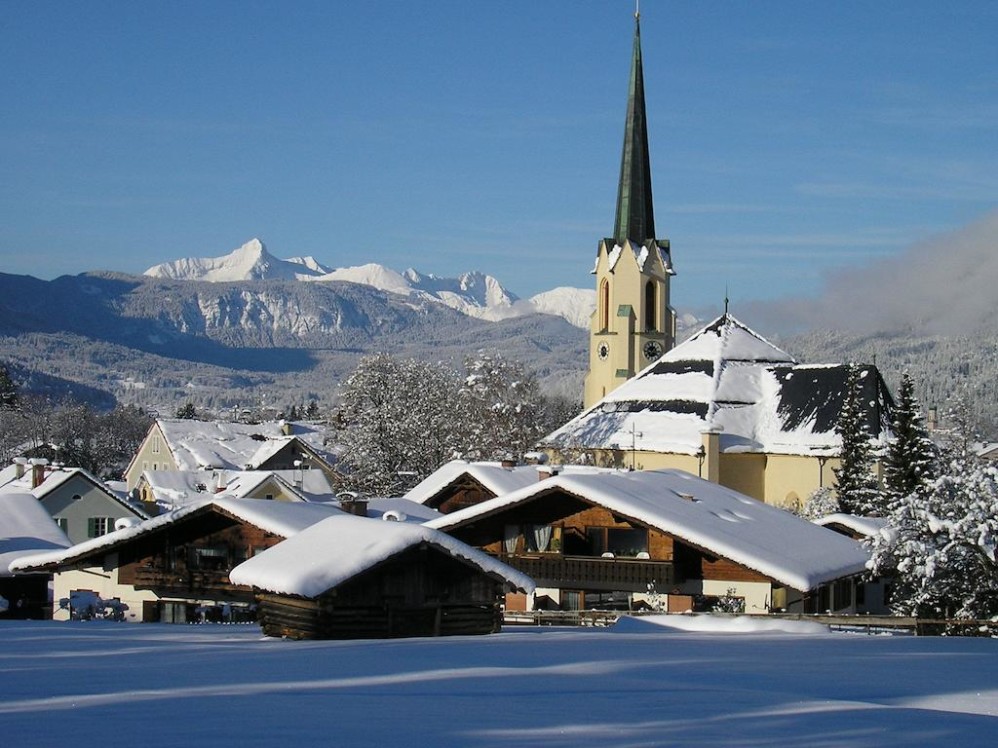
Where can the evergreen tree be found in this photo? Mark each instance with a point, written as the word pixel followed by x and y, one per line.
pixel 312 411
pixel 8 390
pixel 187 412
pixel 856 485
pixel 911 455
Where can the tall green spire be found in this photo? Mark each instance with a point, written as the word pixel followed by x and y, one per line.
pixel 635 216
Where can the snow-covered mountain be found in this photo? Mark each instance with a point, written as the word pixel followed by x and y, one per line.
pixel 474 294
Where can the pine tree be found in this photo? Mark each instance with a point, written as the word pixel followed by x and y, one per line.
pixel 187 412
pixel 8 390
pixel 911 455
pixel 856 485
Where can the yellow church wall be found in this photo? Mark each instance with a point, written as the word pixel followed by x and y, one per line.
pixel 793 478
pixel 745 473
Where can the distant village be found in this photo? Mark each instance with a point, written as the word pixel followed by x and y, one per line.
pixel 712 475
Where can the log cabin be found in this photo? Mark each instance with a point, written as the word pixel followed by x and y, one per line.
pixel 349 577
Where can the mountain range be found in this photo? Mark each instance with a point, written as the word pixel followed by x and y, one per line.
pixel 474 294
pixel 250 329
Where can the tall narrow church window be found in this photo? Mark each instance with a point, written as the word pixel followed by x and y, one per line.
pixel 651 312
pixel 604 305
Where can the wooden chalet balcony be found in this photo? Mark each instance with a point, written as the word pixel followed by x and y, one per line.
pixel 188 583
pixel 585 572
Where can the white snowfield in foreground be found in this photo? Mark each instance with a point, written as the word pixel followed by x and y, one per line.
pixel 643 683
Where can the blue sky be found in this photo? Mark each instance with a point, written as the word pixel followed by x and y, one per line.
pixel 788 139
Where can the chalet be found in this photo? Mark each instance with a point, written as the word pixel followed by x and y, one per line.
pixel 170 567
pixel 347 577
pixel 168 489
pixel 80 503
pixel 730 407
pixel 179 444
pixel 25 529
pixel 459 483
pixel 606 539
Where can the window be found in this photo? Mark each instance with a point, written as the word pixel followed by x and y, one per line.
pixel 97 526
pixel 541 538
pixel 620 541
pixel 604 305
pixel 210 558
pixel 156 445
pixel 651 312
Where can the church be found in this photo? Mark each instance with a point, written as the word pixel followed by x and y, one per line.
pixel 726 405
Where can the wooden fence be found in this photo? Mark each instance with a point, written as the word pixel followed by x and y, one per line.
pixel 867 624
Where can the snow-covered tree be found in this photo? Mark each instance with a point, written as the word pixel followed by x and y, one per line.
pixel 8 390
pixel 940 541
pixel 820 503
pixel 855 483
pixel 911 455
pixel 399 423
pixel 500 407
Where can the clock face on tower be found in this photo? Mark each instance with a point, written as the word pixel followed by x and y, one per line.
pixel 603 351
pixel 652 349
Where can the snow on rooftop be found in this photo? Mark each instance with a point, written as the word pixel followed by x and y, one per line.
pixel 865 526
pixel 725 377
pixel 337 549
pixel 25 528
pixel 234 446
pixel 769 540
pixel 283 518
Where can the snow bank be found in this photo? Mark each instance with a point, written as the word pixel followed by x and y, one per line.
pixel 717 625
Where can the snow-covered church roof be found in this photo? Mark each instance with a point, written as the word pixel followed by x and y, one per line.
pixel 721 521
pixel 728 378
pixel 337 549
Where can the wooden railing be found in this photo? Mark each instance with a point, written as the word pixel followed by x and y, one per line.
pixel 583 572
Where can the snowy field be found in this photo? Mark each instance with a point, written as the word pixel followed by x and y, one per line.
pixel 638 684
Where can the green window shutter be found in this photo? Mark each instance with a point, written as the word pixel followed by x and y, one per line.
pixel 91 527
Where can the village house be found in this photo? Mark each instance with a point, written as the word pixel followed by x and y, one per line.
pixel 25 529
pixel 174 568
pixel 208 446
pixel 347 577
pixel 728 406
pixel 82 505
pixel 608 539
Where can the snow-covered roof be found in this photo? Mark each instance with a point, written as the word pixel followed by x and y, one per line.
pixel 55 477
pixel 493 476
pixel 25 528
pixel 339 548
pixel 727 378
pixel 283 518
pixel 865 526
pixel 173 488
pixel 721 521
pixel 402 510
pixel 196 445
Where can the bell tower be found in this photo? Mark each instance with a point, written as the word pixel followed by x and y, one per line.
pixel 633 324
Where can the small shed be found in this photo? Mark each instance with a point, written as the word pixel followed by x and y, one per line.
pixel 350 577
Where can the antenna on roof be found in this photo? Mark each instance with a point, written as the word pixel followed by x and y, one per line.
pixel 726 300
pixel 637 9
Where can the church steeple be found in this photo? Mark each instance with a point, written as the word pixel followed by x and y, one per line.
pixel 635 216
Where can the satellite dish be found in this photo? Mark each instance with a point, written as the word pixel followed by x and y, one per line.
pixel 122 522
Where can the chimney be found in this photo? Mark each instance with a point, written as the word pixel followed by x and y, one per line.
pixel 508 462
pixel 710 454
pixel 933 420
pixel 356 506
pixel 38 471
pixel 19 463
pixel 286 428
pixel 547 471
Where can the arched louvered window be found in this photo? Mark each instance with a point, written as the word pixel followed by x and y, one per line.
pixel 651 311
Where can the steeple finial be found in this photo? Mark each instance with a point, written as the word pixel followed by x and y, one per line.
pixel 635 219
